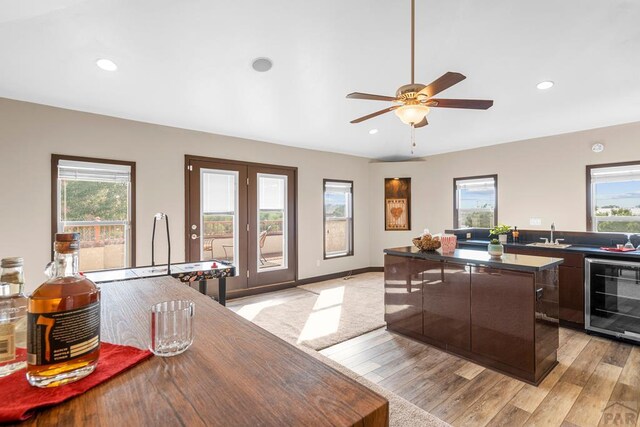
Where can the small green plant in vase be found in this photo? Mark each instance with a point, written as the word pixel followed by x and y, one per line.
pixel 501 232
pixel 495 248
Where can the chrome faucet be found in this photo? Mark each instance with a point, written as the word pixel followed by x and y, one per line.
pixel 553 228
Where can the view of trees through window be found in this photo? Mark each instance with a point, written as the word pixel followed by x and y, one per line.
pixel 475 200
pixel 93 199
pixel 617 207
pixel 88 201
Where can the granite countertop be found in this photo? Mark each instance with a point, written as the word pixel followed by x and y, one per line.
pixel 587 250
pixel 467 256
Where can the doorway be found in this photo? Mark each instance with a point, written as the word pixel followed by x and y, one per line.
pixel 245 214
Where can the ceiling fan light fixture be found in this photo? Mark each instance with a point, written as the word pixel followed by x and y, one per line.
pixel 412 114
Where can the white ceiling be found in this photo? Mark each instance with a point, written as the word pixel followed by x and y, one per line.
pixel 188 64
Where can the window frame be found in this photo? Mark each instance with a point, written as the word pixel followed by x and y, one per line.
pixel 455 196
pixel 589 198
pixel 350 252
pixel 55 160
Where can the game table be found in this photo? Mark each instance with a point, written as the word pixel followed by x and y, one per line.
pixel 186 272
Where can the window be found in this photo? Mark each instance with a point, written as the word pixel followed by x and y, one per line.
pixel 338 218
pixel 613 197
pixel 96 198
pixel 475 201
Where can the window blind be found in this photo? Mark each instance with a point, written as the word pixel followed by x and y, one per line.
pixel 338 187
pixel 476 184
pixel 615 174
pixel 71 170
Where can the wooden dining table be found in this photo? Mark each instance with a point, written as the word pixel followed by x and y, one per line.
pixel 234 374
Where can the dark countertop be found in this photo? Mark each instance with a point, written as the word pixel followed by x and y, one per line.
pixel 467 256
pixel 587 250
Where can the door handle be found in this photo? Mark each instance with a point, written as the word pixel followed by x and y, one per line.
pixel 194 236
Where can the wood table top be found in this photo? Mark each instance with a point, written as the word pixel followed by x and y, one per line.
pixel 234 374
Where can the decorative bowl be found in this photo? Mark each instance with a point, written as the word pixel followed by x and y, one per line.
pixel 427 243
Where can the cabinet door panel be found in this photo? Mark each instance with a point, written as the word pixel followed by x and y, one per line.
pixel 502 316
pixel 571 285
pixel 446 289
pixel 403 293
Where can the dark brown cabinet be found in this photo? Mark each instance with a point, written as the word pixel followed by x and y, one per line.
pixel 403 293
pixel 506 319
pixel 571 282
pixel 505 335
pixel 446 289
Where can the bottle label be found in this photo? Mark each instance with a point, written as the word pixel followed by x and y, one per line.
pixel 61 336
pixel 7 342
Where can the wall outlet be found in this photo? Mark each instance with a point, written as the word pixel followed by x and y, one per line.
pixel 317 263
pixel 535 221
pixel 468 235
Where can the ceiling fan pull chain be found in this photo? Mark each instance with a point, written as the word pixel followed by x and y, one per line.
pixel 413 138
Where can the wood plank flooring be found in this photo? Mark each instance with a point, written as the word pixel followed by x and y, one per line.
pixel 597 382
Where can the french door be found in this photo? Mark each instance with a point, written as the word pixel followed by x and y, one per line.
pixel 244 214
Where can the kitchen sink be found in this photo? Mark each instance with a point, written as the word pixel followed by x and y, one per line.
pixel 549 245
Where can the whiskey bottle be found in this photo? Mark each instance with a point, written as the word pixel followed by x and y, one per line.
pixel 13 316
pixel 63 321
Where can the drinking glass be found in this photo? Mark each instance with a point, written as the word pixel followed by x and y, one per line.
pixel 171 327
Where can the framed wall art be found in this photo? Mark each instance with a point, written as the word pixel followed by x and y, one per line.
pixel 397 204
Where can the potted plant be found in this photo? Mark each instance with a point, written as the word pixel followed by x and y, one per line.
pixel 495 248
pixel 501 232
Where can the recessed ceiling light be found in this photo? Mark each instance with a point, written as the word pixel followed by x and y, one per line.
pixel 106 64
pixel 262 64
pixel 597 147
pixel 373 131
pixel 547 84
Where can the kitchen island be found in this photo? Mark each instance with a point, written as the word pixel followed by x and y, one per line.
pixel 499 312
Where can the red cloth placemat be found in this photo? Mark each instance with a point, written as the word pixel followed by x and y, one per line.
pixel 20 399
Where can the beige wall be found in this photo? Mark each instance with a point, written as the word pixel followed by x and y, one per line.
pixel 30 133
pixel 542 178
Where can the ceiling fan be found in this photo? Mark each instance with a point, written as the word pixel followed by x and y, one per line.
pixel 415 100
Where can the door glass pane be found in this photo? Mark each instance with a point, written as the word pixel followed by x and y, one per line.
pixel 218 215
pixel 272 222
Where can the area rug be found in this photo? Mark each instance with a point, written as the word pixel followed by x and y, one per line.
pixel 321 314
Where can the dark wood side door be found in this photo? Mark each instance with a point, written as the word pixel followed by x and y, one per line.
pixel 403 293
pixel 243 213
pixel 272 255
pixel 447 291
pixel 216 228
pixel 505 335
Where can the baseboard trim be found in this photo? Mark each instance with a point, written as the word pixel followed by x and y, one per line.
pixel 280 286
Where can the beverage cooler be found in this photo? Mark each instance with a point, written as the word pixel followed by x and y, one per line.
pixel 612 297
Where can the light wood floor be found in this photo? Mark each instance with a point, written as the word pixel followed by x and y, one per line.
pixel 597 380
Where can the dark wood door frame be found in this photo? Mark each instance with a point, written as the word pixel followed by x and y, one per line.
pixel 293 214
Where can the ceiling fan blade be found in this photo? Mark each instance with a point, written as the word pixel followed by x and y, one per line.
pixel 422 123
pixel 473 104
pixel 372 115
pixel 359 95
pixel 445 81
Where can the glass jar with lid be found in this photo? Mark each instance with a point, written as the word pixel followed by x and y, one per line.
pixel 13 316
